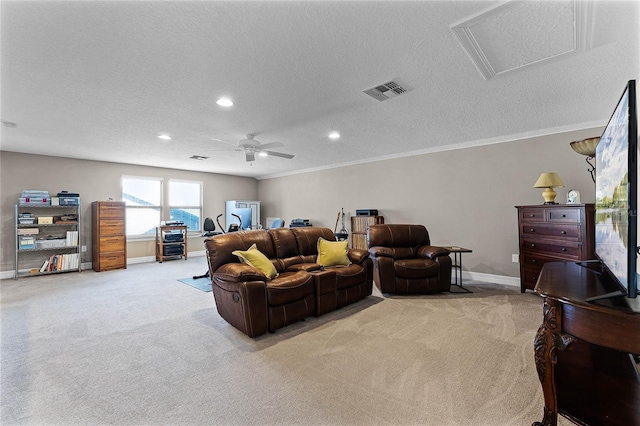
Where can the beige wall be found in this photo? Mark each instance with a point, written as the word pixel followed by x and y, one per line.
pixel 465 197
pixel 96 180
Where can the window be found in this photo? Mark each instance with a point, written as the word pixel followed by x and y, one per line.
pixel 143 198
pixel 185 203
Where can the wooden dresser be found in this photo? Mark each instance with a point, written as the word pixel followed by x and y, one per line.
pixel 554 232
pixel 109 240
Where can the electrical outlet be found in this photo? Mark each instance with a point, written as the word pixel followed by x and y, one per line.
pixel 514 258
pixel 84 249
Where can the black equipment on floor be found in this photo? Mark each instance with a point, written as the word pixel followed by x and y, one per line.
pixel 209 231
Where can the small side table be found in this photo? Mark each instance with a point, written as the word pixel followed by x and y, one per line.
pixel 457 266
pixel 161 243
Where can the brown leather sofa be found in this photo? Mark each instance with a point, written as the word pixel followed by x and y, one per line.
pixel 405 262
pixel 253 304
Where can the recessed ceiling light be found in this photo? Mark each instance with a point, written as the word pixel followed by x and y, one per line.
pixel 225 102
pixel 334 135
pixel 164 137
pixel 262 154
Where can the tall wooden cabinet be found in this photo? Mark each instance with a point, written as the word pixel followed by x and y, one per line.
pixel 552 233
pixel 109 240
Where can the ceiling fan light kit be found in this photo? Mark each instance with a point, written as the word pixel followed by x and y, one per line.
pixel 251 147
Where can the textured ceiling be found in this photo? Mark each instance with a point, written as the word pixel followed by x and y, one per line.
pixel 101 80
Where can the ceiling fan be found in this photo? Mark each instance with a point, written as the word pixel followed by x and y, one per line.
pixel 251 147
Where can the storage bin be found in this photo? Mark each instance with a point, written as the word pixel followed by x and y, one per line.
pixel 52 243
pixel 26 242
pixel 45 220
pixel 30 201
pixel 69 201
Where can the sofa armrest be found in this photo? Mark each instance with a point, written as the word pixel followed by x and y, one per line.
pixel 238 272
pixel 431 252
pixel 379 251
pixel 357 255
pixel 241 298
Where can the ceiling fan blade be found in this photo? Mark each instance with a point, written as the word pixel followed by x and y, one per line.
pixel 223 141
pixel 270 145
pixel 223 149
pixel 249 156
pixel 278 154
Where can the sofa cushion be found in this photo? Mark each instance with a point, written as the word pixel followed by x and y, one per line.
pixel 307 239
pixel 349 276
pixel 415 268
pixel 332 253
pixel 255 258
pixel 289 287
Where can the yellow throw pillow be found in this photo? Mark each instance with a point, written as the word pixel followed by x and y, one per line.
pixel 332 253
pixel 254 257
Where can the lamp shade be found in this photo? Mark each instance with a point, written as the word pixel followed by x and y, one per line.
pixel 586 146
pixel 548 180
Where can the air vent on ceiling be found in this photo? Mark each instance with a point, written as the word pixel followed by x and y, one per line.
pixel 197 157
pixel 386 91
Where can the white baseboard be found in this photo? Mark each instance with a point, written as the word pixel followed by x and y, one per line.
pixel 146 259
pixel 491 278
pixel 466 275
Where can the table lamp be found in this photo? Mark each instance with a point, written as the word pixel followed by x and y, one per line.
pixel 549 180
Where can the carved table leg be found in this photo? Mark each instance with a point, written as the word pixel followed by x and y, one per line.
pixel 549 339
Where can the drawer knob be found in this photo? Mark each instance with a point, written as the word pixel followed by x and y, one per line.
pixel 564 249
pixel 564 215
pixel 532 215
pixel 533 230
pixel 533 261
pixel 563 232
pixel 533 245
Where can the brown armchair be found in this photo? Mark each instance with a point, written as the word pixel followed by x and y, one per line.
pixel 405 262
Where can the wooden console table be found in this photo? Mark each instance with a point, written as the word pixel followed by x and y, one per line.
pixel 583 350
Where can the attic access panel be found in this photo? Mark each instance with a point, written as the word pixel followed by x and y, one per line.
pixel 518 34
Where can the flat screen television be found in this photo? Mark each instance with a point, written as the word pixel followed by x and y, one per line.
pixel 616 234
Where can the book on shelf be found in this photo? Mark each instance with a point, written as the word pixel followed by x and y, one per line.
pixel 361 223
pixel 61 262
pixel 28 231
pixel 72 238
pixel 359 226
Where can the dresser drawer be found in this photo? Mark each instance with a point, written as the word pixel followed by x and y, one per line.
pixel 564 215
pixel 110 244
pixel 562 250
pixel 111 227
pixel 533 260
pixel 530 276
pixel 111 210
pixel 560 230
pixel 112 261
pixel 533 214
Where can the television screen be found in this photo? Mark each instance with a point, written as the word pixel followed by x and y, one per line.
pixel 616 193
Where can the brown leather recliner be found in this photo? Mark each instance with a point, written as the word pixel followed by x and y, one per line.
pixel 405 262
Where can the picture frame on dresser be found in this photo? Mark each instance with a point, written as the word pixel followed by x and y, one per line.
pixel 553 233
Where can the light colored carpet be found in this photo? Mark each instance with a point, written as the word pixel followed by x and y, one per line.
pixel 136 346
